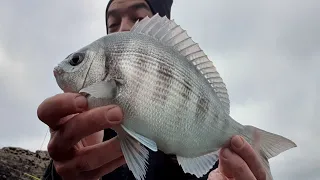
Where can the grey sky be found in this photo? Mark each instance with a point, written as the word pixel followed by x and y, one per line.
pixel 266 51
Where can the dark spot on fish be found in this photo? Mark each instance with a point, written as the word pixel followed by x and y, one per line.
pixel 202 107
pixel 226 124
pixel 186 90
pixel 163 82
pixel 142 65
pixel 165 70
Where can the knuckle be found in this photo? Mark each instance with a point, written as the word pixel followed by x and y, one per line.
pixel 67 134
pixel 52 149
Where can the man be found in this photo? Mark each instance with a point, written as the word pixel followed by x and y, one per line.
pixel 83 147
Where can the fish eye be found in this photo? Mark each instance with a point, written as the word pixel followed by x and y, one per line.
pixel 76 59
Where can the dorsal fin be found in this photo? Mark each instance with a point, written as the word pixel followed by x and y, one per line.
pixel 171 34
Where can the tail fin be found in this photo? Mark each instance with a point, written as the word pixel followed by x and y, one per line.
pixel 267 145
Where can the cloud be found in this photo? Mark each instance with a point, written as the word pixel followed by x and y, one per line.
pixel 266 51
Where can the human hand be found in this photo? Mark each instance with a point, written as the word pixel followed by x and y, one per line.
pixel 76 145
pixel 238 161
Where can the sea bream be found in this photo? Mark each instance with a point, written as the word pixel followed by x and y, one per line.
pixel 171 94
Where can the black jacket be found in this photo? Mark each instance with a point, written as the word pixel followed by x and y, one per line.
pixel 161 167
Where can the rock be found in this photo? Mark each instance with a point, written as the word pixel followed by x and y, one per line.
pixel 15 162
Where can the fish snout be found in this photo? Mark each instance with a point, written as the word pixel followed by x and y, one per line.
pixel 57 71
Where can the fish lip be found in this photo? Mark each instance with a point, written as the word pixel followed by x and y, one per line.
pixel 57 71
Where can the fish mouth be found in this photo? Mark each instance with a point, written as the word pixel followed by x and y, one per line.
pixel 57 71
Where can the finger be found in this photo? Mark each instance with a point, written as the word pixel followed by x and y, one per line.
pixel 247 153
pixel 105 169
pixel 53 109
pixel 217 175
pixel 91 157
pixel 232 166
pixel 81 126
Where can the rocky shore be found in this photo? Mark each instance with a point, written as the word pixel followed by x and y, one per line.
pixel 21 164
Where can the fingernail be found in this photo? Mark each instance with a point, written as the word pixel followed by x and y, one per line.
pixel 114 114
pixel 237 142
pixel 226 153
pixel 81 102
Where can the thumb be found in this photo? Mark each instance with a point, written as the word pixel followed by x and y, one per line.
pixel 217 175
pixel 224 166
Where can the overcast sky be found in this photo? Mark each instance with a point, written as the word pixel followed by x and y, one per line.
pixel 266 51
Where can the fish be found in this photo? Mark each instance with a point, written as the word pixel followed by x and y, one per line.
pixel 172 96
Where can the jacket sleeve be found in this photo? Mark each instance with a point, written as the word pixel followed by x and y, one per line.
pixel 51 173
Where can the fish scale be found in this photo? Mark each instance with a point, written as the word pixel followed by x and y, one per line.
pixel 154 76
pixel 163 81
pixel 172 97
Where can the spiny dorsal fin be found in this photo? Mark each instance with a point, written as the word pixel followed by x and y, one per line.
pixel 171 34
pixel 139 25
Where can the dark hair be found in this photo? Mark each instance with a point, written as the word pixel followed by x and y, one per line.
pixel 163 7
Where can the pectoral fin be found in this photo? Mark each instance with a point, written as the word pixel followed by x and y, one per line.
pixel 102 89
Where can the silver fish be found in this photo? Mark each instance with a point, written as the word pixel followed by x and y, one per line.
pixel 172 96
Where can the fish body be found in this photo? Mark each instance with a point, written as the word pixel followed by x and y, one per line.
pixel 172 96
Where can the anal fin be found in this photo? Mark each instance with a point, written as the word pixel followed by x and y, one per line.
pixel 198 166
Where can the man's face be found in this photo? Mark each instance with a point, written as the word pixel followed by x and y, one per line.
pixel 123 14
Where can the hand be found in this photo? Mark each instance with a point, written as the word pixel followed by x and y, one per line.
pixel 76 145
pixel 238 161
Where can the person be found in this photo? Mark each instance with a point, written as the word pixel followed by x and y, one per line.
pixel 82 145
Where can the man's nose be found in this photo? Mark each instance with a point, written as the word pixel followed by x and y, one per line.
pixel 126 24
